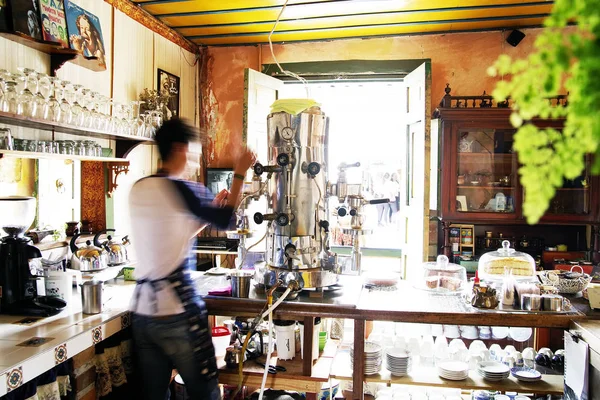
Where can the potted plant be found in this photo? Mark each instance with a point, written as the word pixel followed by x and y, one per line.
pixel 154 100
pixel 565 59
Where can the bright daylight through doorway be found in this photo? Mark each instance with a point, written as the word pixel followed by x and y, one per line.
pixel 364 126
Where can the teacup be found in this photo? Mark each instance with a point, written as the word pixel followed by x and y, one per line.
pixel 485 355
pixel 510 349
pixel 495 349
pixel 546 351
pixel 510 361
pixel 474 361
pixel 518 358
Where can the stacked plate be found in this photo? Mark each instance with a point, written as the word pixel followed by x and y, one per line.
pixel 398 361
pixel 526 374
pixel 372 358
pixel 453 370
pixel 493 371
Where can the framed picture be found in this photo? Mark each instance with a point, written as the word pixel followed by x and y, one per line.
pixel 85 32
pixel 54 23
pixel 169 84
pixel 461 203
pixel 25 17
pixel 218 179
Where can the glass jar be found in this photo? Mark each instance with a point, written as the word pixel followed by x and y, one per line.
pixel 494 264
pixel 79 148
pixel 42 146
pixel 67 147
pixel 32 146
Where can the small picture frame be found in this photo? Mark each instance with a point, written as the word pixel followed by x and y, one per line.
pixel 461 203
pixel 218 179
pixel 168 83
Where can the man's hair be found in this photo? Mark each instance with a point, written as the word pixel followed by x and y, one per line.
pixel 172 131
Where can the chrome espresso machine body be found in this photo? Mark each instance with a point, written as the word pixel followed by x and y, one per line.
pixel 297 238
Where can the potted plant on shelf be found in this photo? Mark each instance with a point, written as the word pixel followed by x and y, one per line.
pixel 565 59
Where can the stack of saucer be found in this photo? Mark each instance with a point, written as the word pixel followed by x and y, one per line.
pixel 372 358
pixel 453 370
pixel 493 371
pixel 526 374
pixel 398 361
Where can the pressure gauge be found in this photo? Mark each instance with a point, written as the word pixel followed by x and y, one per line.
pixel 287 133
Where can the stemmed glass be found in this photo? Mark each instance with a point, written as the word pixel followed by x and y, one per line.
pixel 137 122
pixel 76 108
pixel 10 101
pixel 52 105
pixel 65 106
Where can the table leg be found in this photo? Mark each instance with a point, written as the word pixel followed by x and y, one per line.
pixel 307 364
pixel 359 360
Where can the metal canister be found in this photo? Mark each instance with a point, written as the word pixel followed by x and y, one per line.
pixel 552 302
pixel 91 297
pixel 531 302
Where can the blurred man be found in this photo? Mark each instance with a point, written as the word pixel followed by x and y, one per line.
pixel 170 321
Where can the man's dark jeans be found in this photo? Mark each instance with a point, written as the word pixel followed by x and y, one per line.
pixel 162 344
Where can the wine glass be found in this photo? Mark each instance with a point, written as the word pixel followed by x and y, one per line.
pixel 10 100
pixel 76 108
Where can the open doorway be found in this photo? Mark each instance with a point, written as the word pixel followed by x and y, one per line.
pixel 384 125
pixel 364 127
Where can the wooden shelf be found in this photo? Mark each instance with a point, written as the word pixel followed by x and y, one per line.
pixel 423 376
pixel 291 379
pixel 486 187
pixel 52 156
pixel 572 189
pixel 124 143
pixel 485 154
pixel 59 55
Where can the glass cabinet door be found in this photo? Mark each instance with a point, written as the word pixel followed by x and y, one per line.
pixel 486 179
pixel 573 198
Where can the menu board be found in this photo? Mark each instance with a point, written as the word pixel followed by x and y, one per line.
pixel 54 23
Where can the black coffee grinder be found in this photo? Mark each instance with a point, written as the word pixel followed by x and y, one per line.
pixel 18 267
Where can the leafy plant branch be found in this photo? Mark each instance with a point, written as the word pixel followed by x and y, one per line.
pixel 563 57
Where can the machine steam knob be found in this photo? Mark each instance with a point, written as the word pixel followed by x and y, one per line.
pixel 342 211
pixel 283 159
pixel 259 169
pixel 353 212
pixel 324 224
pixel 314 168
pixel 259 218
pixel 283 219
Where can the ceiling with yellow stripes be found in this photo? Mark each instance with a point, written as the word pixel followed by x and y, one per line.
pixel 241 22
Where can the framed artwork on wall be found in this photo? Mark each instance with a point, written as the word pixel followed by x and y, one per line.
pixel 169 84
pixel 218 179
pixel 85 32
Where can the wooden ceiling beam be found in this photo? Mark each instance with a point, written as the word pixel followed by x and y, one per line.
pixel 141 16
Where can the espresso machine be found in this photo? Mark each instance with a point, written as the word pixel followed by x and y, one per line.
pixel 297 238
pixel 20 262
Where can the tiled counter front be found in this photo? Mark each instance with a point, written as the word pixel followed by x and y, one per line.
pixel 29 349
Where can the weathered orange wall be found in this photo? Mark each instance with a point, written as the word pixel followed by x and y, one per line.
pixel 460 59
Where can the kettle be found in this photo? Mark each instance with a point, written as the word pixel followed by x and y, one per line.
pixel 116 251
pixel 88 258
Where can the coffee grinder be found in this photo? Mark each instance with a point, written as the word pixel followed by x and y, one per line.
pixel 19 270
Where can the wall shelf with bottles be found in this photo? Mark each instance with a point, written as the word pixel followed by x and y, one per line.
pixel 58 54
pixel 124 143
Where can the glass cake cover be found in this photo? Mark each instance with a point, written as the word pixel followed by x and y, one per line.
pixel 442 277
pixel 492 265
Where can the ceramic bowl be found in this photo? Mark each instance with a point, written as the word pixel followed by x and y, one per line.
pixel 326 389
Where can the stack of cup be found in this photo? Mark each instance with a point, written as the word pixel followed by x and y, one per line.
pixel 285 339
pixel 315 340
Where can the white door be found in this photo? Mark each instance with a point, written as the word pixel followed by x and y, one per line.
pixel 260 91
pixel 415 191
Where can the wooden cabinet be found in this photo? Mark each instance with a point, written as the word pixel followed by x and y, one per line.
pixel 479 169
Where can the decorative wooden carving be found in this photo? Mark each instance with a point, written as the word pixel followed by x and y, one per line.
pixel 486 101
pixel 138 14
pixel 93 200
pixel 114 169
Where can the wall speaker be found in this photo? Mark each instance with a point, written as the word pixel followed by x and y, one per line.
pixel 515 38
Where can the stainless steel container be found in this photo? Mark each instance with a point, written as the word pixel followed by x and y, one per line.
pixel 302 139
pixel 91 297
pixel 240 283
pixel 531 302
pixel 552 302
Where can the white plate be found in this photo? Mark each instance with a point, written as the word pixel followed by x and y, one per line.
pixel 493 367
pixel 454 367
pixel 499 332
pixel 520 334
